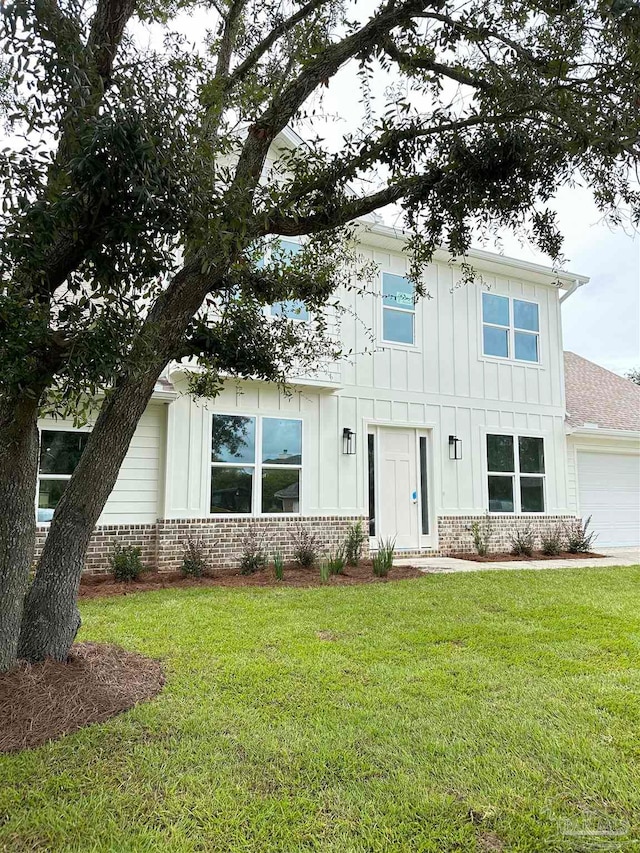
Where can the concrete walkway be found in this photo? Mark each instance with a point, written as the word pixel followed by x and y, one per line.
pixel 613 557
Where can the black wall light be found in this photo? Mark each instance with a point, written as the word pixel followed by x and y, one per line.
pixel 348 442
pixel 455 447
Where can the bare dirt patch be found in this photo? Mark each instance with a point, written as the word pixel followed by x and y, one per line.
pixel 44 701
pixel 94 586
pixel 505 556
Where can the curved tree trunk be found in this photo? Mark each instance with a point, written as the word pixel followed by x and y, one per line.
pixel 18 479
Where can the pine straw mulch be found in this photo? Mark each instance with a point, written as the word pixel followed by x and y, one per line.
pixel 96 586
pixel 506 556
pixel 44 701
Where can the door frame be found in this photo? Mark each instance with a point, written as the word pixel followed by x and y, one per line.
pixel 428 431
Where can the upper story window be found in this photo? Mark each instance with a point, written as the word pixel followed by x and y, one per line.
pixel 256 465
pixel 398 309
pixel 515 469
pixel 510 328
pixel 293 309
pixel 60 452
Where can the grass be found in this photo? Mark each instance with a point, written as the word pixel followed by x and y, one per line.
pixel 485 711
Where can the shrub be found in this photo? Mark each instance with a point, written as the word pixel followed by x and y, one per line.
pixel 337 561
pixel 254 553
pixel 578 540
pixel 383 559
pixel 125 563
pixel 354 543
pixel 325 572
pixel 481 532
pixel 523 542
pixel 306 548
pixel 193 562
pixel 551 543
pixel 278 566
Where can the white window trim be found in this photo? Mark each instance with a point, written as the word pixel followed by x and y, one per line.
pixel 516 474
pixel 511 331
pixel 268 309
pixel 258 466
pixel 51 428
pixel 412 311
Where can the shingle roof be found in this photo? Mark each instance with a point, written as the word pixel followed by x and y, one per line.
pixel 597 396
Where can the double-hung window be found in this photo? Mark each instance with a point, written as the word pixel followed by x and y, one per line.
pixel 510 328
pixel 256 465
pixel 293 309
pixel 515 469
pixel 60 452
pixel 398 309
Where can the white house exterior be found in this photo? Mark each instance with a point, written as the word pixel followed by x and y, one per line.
pixel 475 372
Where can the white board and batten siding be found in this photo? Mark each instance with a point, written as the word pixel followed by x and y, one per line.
pixel 138 496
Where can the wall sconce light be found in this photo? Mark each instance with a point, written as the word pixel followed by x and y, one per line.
pixel 348 442
pixel 455 447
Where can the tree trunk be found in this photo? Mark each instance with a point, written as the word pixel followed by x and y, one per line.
pixel 18 479
pixel 51 618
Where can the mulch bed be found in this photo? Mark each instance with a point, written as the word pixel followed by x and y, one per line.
pixel 95 586
pixel 44 701
pixel 505 556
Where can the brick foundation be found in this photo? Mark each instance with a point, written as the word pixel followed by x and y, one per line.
pixel 163 543
pixel 454 531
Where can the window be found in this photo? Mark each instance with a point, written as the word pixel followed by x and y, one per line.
pixel 59 454
pixel 424 498
pixel 256 465
pixel 398 309
pixel 510 328
pixel 371 461
pixel 293 309
pixel 515 467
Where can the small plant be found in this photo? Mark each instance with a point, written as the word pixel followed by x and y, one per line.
pixel 254 553
pixel 579 541
pixel 337 561
pixel 383 558
pixel 125 563
pixel 551 544
pixel 523 541
pixel 193 562
pixel 306 548
pixel 354 543
pixel 278 566
pixel 325 572
pixel 481 532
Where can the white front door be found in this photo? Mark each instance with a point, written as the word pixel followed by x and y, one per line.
pixel 398 487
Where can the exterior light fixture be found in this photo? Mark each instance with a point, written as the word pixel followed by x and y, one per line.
pixel 348 442
pixel 455 447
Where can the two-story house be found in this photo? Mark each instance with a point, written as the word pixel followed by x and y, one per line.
pixel 450 408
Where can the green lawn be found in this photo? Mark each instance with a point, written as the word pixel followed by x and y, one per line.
pixel 489 711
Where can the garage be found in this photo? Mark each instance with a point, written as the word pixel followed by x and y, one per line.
pixel 609 492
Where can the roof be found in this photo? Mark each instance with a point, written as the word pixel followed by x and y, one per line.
pixel 597 397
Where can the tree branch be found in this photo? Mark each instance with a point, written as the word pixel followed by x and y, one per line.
pixel 107 28
pixel 409 61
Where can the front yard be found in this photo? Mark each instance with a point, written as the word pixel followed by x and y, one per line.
pixel 492 711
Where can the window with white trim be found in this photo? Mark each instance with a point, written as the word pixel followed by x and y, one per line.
pixel 256 465
pixel 398 309
pixel 516 474
pixel 293 309
pixel 60 452
pixel 510 328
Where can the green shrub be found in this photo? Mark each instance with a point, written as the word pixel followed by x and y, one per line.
pixel 325 572
pixel 254 553
pixel 306 550
pixel 193 562
pixel 337 561
pixel 126 563
pixel 481 532
pixel 278 566
pixel 523 542
pixel 354 543
pixel 551 543
pixel 579 541
pixel 383 558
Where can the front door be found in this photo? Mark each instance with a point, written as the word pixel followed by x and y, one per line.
pixel 398 487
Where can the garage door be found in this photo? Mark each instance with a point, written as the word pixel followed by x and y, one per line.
pixel 609 491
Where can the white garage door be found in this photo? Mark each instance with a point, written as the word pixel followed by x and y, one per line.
pixel 609 491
